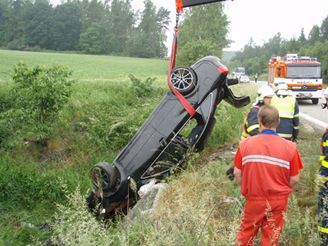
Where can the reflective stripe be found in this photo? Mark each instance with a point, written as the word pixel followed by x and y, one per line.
pixel 324 163
pixel 296 115
pixel 244 135
pixel 296 127
pixel 285 135
pixel 322 157
pixel 253 127
pixel 325 144
pixel 265 160
pixel 323 229
pixel 285 114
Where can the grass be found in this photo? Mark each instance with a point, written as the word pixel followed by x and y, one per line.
pixel 203 207
pixel 200 206
pixel 87 68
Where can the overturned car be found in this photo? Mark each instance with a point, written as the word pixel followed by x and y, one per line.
pixel 166 137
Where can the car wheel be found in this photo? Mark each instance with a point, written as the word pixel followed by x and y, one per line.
pixel 315 101
pixel 104 176
pixel 184 80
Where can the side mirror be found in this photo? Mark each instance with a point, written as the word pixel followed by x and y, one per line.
pixel 279 71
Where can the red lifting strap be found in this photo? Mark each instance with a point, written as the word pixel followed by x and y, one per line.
pixel 179 5
pixel 185 103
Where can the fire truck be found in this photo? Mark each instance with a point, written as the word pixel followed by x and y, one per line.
pixel 302 74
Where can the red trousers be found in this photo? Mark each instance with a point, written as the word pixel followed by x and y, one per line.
pixel 265 214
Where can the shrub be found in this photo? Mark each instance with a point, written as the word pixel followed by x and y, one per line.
pixel 142 88
pixel 75 225
pixel 37 97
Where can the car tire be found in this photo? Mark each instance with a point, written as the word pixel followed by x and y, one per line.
pixel 104 176
pixel 315 101
pixel 184 80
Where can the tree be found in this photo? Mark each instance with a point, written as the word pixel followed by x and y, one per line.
pixel 95 30
pixel 16 24
pixel 90 40
pixel 324 29
pixel 121 24
pixel 66 26
pixel 314 35
pixel 290 46
pixel 204 23
pixel 302 39
pixel 37 28
pixel 4 12
pixel 148 39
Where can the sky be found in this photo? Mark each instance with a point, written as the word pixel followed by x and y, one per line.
pixel 261 19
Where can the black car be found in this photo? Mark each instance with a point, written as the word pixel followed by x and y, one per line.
pixel 166 137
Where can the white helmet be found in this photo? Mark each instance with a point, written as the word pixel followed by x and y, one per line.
pixel 264 91
pixel 282 89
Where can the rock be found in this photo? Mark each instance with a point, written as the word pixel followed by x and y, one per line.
pixel 149 198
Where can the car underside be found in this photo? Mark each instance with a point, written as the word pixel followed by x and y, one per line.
pixel 161 145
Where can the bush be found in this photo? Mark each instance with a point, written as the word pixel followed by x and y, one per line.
pixel 37 97
pixel 142 88
pixel 75 225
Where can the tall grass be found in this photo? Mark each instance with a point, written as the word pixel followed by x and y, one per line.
pixel 203 207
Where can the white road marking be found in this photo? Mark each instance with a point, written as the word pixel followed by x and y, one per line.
pixel 315 121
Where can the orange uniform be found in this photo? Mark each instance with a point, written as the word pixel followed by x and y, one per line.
pixel 267 162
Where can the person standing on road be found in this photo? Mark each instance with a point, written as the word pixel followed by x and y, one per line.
pixel 266 168
pixel 255 78
pixel 323 184
pixel 288 113
pixel 251 124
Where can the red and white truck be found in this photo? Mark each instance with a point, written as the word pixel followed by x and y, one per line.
pixel 302 74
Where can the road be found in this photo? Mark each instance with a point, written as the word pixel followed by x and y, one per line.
pixel 312 114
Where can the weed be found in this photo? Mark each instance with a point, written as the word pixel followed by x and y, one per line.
pixel 142 88
pixel 75 225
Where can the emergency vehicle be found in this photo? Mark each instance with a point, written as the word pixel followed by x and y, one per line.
pixel 302 74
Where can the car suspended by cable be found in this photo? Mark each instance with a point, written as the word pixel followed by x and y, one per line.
pixel 180 124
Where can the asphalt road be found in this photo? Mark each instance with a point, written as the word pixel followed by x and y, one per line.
pixel 312 114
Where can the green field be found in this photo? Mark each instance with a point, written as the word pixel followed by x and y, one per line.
pixel 86 67
pixel 44 188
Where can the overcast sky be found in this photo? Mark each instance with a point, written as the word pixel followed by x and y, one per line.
pixel 262 19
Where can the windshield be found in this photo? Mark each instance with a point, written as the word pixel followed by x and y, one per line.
pixel 303 72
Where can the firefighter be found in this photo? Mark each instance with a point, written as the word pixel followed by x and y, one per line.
pixel 266 168
pixel 250 124
pixel 288 113
pixel 323 184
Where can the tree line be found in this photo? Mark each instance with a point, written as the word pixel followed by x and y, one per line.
pixel 256 57
pixel 88 26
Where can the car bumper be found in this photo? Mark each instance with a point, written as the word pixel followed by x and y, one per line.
pixel 307 94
